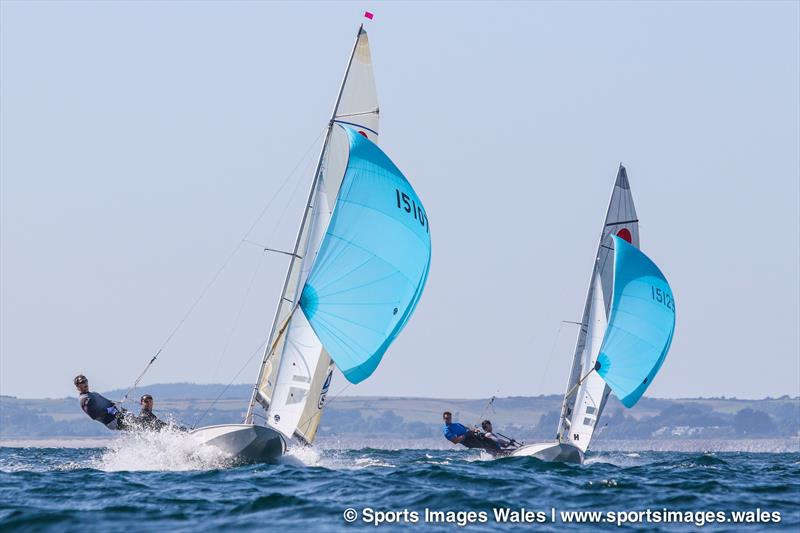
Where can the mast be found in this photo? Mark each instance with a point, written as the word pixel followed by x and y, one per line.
pixel 295 257
pixel 581 409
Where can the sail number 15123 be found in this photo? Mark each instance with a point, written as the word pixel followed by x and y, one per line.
pixel 407 204
pixel 662 297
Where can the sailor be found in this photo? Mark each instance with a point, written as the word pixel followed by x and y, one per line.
pixel 454 432
pixel 98 407
pixel 471 438
pixel 502 442
pixel 148 420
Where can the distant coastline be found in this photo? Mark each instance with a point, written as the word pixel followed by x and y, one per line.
pixel 686 424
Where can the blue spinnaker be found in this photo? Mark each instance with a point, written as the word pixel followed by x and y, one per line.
pixel 641 325
pixel 372 265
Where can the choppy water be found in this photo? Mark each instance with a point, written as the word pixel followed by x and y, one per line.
pixel 163 482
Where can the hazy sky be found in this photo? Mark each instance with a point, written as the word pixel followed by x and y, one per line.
pixel 139 142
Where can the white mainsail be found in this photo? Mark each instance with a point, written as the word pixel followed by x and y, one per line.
pixel 358 105
pixel 296 371
pixel 584 403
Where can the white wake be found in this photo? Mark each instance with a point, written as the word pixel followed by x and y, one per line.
pixel 166 450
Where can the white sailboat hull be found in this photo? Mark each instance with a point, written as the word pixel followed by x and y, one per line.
pixel 245 443
pixel 550 451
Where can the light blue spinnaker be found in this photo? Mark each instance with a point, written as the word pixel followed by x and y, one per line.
pixel 372 265
pixel 641 325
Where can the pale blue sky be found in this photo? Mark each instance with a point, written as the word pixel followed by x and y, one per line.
pixel 138 142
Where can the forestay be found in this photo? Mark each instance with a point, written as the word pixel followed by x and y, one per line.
pixel 640 327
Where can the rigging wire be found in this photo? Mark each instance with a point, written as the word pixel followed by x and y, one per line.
pixel 550 356
pixel 246 240
pixel 238 316
pixel 489 404
pixel 307 168
pixel 249 359
pixel 598 433
pixel 220 269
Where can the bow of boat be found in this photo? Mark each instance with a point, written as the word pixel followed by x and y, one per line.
pixel 245 443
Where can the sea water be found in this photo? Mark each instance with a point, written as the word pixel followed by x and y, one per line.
pixel 164 482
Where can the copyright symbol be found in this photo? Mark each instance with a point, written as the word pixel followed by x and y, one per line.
pixel 350 515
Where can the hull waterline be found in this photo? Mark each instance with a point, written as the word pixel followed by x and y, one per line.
pixel 245 443
pixel 550 451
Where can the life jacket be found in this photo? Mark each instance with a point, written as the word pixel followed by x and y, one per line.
pixel 96 406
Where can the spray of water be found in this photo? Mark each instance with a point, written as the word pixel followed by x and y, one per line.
pixel 621 459
pixel 302 456
pixel 166 450
pixel 332 458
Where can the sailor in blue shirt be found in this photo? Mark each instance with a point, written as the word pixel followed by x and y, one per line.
pixel 471 438
pixel 454 432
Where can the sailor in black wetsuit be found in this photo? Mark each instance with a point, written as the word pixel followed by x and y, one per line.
pixel 98 407
pixel 502 441
pixel 146 418
pixel 149 421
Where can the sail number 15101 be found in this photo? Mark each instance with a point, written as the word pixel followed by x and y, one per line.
pixel 407 204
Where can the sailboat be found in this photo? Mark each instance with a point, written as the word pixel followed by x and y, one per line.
pixel 625 333
pixel 355 275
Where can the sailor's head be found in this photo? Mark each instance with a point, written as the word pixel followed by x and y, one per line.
pixel 486 425
pixel 447 416
pixel 146 401
pixel 81 383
